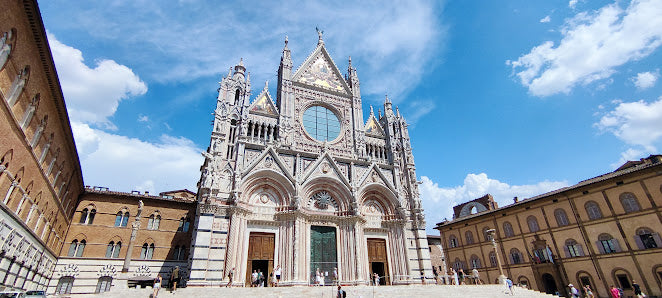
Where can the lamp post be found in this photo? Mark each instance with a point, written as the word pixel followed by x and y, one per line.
pixel 491 233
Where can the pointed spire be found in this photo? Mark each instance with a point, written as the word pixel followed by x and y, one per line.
pixel 239 68
pixel 380 113
pixel 241 61
pixel 397 110
pixel 286 58
pixel 386 100
pixel 372 112
pixel 266 85
pixel 230 72
pixel 388 110
pixel 350 62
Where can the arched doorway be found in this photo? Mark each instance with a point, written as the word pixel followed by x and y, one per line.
pixel 549 283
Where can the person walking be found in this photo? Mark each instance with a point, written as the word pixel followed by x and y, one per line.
pixel 588 292
pixel 637 289
pixel 335 275
pixel 175 278
pixel 157 285
pixel 460 275
pixel 455 278
pixel 260 278
pixel 277 273
pixel 230 277
pixel 375 278
pixel 476 276
pixel 574 293
pixel 341 293
pixel 318 277
pixel 509 283
pixel 614 292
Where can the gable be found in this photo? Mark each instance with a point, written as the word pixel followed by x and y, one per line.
pixel 325 166
pixel 373 128
pixel 264 105
pixel 320 71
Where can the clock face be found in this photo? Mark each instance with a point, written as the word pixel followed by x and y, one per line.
pixel 321 123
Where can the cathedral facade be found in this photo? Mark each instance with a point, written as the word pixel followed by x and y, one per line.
pixel 304 183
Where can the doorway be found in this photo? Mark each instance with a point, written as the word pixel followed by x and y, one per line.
pixel 323 254
pixel 549 283
pixel 260 255
pixel 378 260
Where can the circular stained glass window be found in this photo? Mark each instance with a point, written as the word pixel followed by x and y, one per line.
pixel 321 124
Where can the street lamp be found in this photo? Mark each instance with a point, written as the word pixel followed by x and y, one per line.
pixel 491 233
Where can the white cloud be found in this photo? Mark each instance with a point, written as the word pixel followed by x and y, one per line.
pixel 635 123
pixel 185 41
pixel 438 201
pixel 93 94
pixel 645 80
pixel 546 19
pixel 143 118
pixel 572 3
pixel 124 164
pixel 593 45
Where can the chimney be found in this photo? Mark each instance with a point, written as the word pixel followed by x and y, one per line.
pixel 515 200
pixel 147 193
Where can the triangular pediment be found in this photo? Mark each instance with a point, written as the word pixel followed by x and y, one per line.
pixel 320 71
pixel 325 166
pixel 373 128
pixel 269 159
pixel 375 175
pixel 263 105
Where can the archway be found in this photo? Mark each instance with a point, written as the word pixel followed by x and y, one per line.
pixel 549 283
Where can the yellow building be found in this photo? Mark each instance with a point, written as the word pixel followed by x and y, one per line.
pixel 600 232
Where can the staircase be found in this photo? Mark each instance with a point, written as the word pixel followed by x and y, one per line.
pixel 328 292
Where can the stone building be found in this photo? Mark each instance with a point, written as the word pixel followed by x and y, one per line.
pixel 602 231
pixel 100 236
pixel 305 183
pixel 40 176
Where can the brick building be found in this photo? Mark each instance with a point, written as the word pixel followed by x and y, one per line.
pixel 602 231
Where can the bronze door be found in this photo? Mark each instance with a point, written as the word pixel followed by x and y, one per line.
pixel 260 255
pixel 323 253
pixel 377 259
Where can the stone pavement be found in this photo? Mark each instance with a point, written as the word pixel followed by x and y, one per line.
pixel 328 292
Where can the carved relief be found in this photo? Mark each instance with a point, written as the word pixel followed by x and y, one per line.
pixel 107 270
pixel 69 270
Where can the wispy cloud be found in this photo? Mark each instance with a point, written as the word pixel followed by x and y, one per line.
pixel 645 80
pixel 185 41
pixel 546 19
pixel 593 45
pixel 438 201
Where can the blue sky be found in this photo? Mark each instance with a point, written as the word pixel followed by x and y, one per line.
pixel 512 98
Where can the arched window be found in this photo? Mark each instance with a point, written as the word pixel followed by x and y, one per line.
pixel 87 216
pixel 17 86
pixel 561 217
pixel 515 256
pixel 179 253
pixel 573 249
pixel 532 222
pixel 64 285
pixel 470 237
pixel 623 279
pixel 154 221
pixel 113 249
pixel 593 210
pixel 103 285
pixel 607 244
pixel 452 241
pixel 183 224
pixel 493 259
pixel 475 261
pixel 76 248
pixel 457 264
pixel 629 202
pixel 122 218
pixel 645 239
pixel 236 96
pixel 83 216
pixel 29 112
pixel 508 229
pixel 147 251
pixel 585 279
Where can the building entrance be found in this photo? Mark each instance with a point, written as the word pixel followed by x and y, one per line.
pixel 323 255
pixel 260 255
pixel 378 260
pixel 549 283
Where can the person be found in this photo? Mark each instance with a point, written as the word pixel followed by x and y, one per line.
pixel 637 289
pixel 375 278
pixel 335 275
pixel 587 290
pixel 476 276
pixel 254 279
pixel 277 273
pixel 272 279
pixel 455 280
pixel 230 276
pixel 157 285
pixel 614 292
pixel 175 278
pixel 341 293
pixel 318 277
pixel 573 291
pixel 460 275
pixel 260 278
pixel 509 283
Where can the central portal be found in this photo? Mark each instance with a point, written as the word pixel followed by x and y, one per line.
pixel 323 252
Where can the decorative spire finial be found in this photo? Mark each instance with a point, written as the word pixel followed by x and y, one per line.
pixel 386 100
pixel 241 61
pixel 350 61
pixel 319 34
pixel 266 85
pixel 286 41
pixel 372 112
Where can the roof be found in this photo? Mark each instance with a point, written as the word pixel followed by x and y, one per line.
pixel 136 194
pixel 629 167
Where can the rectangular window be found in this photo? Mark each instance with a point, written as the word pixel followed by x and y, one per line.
pixel 573 250
pixel 608 246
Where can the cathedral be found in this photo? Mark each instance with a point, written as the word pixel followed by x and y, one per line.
pixel 304 183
